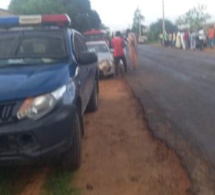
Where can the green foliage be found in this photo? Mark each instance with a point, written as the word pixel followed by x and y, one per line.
pixel 195 17
pixel 13 179
pixel 59 183
pixel 7 178
pixel 95 19
pixel 138 17
pixel 83 17
pixel 104 27
pixel 35 7
pixel 156 29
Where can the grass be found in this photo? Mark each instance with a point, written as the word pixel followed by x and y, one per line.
pixel 59 183
pixel 12 180
pixel 155 43
pixel 7 179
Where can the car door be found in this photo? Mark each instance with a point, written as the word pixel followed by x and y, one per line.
pixel 83 70
pixel 90 69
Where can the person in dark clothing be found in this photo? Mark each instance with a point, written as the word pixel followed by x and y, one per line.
pixel 118 45
pixel 186 39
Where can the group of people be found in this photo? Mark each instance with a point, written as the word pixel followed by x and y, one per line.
pixel 119 44
pixel 190 39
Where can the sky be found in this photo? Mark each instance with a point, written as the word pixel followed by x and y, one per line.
pixel 118 14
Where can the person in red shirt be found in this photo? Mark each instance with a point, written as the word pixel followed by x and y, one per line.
pixel 186 39
pixel 211 36
pixel 118 45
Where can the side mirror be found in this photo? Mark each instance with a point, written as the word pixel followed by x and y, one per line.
pixel 112 51
pixel 87 58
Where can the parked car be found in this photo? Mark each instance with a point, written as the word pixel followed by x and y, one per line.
pixel 48 80
pixel 105 57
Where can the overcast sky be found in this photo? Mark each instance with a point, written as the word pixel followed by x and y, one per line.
pixel 118 14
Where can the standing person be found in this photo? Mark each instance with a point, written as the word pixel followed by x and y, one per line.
pixel 132 42
pixel 118 45
pixel 170 39
pixel 202 38
pixel 178 40
pixel 211 36
pixel 166 38
pixel 161 39
pixel 186 39
pixel 193 40
pixel 174 39
pixel 182 40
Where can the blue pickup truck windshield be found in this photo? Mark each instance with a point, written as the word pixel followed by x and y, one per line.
pixel 32 47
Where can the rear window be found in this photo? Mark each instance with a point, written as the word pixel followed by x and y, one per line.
pixel 99 48
pixel 95 37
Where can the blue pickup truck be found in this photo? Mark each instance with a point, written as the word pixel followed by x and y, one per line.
pixel 48 79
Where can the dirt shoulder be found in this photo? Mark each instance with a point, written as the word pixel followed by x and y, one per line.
pixel 120 156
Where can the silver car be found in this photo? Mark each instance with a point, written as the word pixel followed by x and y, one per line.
pixel 105 57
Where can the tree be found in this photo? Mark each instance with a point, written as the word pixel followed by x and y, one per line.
pixel 95 19
pixel 156 29
pixel 195 17
pixel 104 27
pixel 80 12
pixel 36 7
pixel 138 18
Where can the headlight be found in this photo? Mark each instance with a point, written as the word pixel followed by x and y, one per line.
pixel 38 107
pixel 104 63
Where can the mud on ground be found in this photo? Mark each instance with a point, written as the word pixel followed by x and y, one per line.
pixel 120 156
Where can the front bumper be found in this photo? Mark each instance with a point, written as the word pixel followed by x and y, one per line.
pixel 30 141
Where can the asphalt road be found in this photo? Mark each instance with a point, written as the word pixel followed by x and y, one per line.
pixel 177 90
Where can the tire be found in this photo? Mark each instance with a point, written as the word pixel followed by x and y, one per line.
pixel 82 125
pixel 93 103
pixel 81 120
pixel 71 159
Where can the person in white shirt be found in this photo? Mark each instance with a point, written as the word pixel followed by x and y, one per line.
pixel 202 38
pixel 178 40
pixel 182 40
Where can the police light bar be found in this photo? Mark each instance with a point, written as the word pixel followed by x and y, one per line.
pixel 30 20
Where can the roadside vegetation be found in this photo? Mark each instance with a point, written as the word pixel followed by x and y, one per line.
pixel 193 19
pixel 14 179
pixel 7 179
pixel 58 182
pixel 82 15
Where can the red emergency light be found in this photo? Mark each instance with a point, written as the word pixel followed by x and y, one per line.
pixel 59 19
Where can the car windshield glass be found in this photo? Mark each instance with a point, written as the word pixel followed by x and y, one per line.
pixel 31 47
pixel 95 37
pixel 99 48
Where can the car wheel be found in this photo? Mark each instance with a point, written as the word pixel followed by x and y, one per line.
pixel 81 120
pixel 93 103
pixel 71 159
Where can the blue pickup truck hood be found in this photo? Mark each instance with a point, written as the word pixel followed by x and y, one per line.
pixel 19 82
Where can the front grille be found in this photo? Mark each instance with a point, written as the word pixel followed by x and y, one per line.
pixel 6 112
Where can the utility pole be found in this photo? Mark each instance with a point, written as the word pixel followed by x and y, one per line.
pixel 164 29
pixel 140 25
